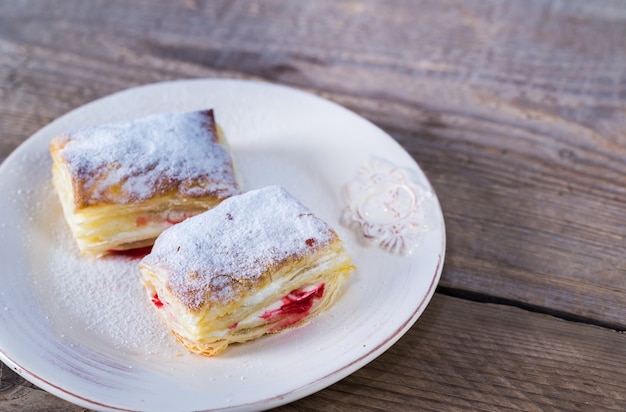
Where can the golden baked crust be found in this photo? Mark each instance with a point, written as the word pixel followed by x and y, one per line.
pixel 257 263
pixel 121 185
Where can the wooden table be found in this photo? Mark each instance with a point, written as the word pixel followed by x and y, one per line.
pixel 515 110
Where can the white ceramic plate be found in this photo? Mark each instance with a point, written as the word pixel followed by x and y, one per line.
pixel 82 329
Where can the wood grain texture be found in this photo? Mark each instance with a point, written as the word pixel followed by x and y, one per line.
pixel 469 356
pixel 515 109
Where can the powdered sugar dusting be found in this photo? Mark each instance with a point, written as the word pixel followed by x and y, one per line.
pixel 154 154
pixel 102 298
pixel 213 256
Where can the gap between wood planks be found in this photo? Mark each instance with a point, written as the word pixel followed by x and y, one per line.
pixel 484 298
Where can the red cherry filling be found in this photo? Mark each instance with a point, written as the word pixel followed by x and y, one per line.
pixel 137 253
pixel 157 302
pixel 141 221
pixel 296 306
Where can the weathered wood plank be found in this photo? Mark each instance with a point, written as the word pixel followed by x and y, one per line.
pixel 461 356
pixel 472 356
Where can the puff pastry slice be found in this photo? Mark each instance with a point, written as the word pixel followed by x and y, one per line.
pixel 257 263
pixel 121 185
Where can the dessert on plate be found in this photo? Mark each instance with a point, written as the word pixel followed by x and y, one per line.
pixel 257 263
pixel 121 185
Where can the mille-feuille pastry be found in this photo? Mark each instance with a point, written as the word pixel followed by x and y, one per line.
pixel 257 263
pixel 121 185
